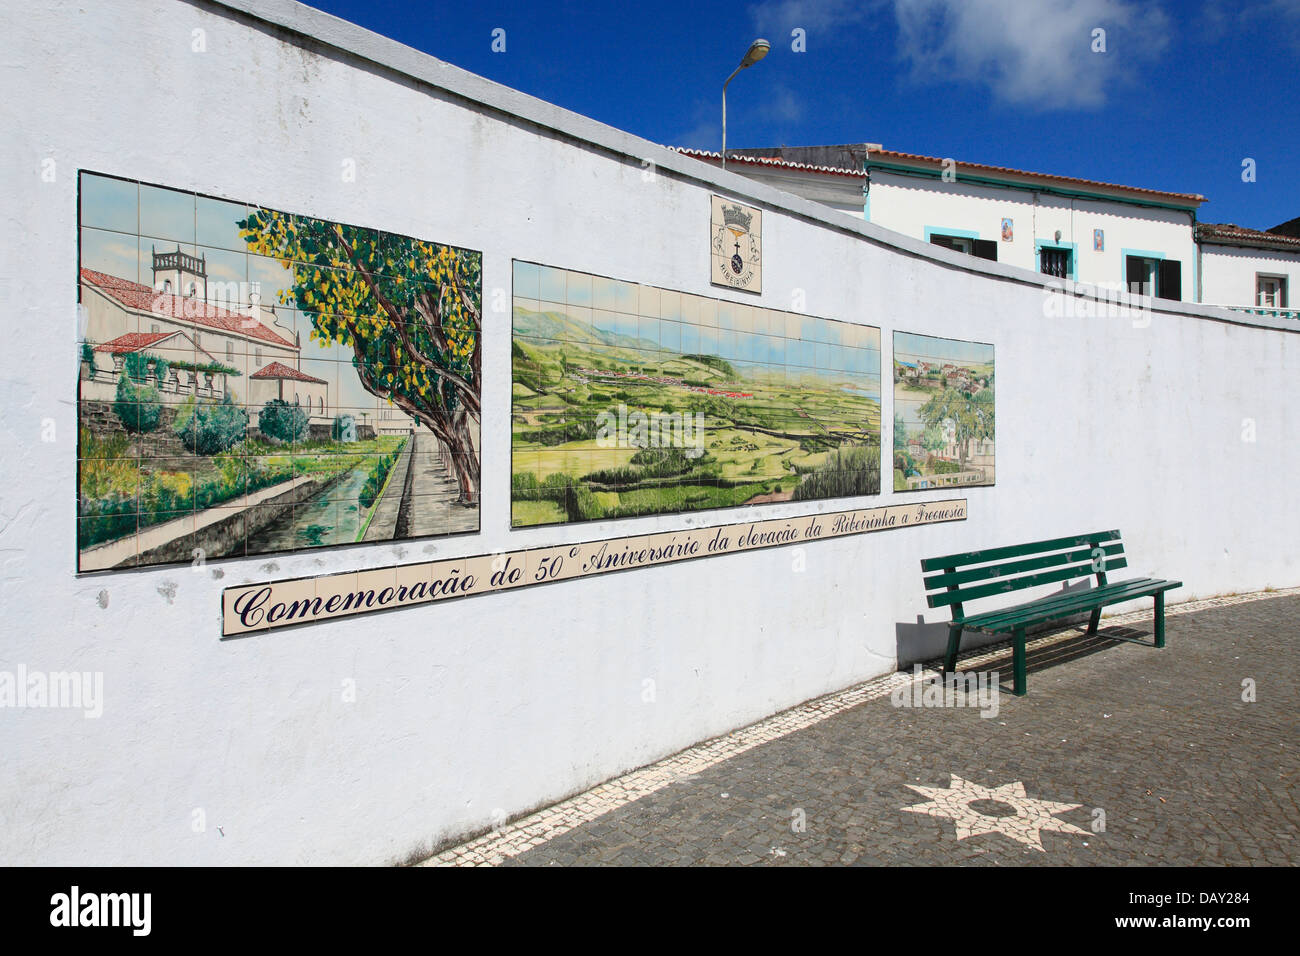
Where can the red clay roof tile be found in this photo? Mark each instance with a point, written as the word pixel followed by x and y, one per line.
pixel 133 295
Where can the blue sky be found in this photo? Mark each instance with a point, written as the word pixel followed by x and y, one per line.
pixel 1184 92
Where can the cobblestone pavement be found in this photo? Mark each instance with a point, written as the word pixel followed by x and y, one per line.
pixel 1157 746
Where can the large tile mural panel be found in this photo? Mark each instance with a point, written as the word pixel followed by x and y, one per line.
pixel 632 400
pixel 254 381
pixel 943 412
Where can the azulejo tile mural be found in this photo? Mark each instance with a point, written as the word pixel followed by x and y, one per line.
pixel 254 381
pixel 632 400
pixel 943 412
pixel 736 245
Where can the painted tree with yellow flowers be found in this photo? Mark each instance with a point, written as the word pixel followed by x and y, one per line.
pixel 411 312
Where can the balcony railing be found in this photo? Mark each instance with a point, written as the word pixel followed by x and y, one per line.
pixel 1292 315
pixel 180 382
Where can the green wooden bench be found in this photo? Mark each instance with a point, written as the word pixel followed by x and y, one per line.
pixel 957 579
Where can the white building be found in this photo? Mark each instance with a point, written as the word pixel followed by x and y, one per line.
pixel 123 316
pixel 280 381
pixel 391 420
pixel 1247 268
pixel 1104 234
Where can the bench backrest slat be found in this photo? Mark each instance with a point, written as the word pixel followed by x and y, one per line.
pixel 978 574
pixel 1017 550
pixel 1017 584
pixel 1010 568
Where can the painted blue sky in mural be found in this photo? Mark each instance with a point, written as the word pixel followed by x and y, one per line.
pixel 909 347
pixel 757 339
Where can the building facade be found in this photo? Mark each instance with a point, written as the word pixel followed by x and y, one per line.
pixel 209 350
pixel 1107 235
pixel 1249 268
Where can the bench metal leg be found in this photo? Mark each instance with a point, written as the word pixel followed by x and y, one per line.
pixel 954 642
pixel 1018 662
pixel 1160 619
pixel 1094 621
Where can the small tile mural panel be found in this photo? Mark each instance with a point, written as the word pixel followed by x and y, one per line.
pixel 943 412
pixel 634 400
pixel 736 245
pixel 254 381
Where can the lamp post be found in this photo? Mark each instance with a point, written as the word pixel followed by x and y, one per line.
pixel 757 50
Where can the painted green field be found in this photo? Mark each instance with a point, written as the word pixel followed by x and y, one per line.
pixel 605 429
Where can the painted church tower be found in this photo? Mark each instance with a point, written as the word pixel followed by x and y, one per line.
pixel 180 273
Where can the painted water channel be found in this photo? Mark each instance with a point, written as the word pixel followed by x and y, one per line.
pixel 333 516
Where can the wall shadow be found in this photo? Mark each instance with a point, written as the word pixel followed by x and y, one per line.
pixel 1069 648
pixel 927 640
pixel 1066 650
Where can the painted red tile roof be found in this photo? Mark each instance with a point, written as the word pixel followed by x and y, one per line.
pixel 918 159
pixel 133 295
pixel 1232 234
pixel 280 370
pixel 133 342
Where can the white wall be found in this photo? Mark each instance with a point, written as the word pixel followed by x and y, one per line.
pixel 515 700
pixel 1228 273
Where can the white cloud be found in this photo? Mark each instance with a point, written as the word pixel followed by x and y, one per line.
pixel 1278 18
pixel 821 20
pixel 1030 53
pixel 782 105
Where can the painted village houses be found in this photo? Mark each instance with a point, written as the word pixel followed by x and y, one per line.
pixel 209 350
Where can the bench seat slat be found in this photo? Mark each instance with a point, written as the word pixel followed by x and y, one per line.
pixel 1018 584
pixel 1069 601
pixel 1016 550
pixel 1029 617
pixel 1059 606
pixel 1009 569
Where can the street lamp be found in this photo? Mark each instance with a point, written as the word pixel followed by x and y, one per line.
pixel 757 50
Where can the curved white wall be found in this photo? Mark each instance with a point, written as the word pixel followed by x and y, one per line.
pixel 508 702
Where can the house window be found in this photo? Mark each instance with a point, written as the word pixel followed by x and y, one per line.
pixel 983 248
pixel 155 328
pixel 257 358
pixel 230 351
pixel 1161 278
pixel 1055 262
pixel 1270 291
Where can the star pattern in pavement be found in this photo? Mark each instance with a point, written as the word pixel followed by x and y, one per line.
pixel 1029 816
